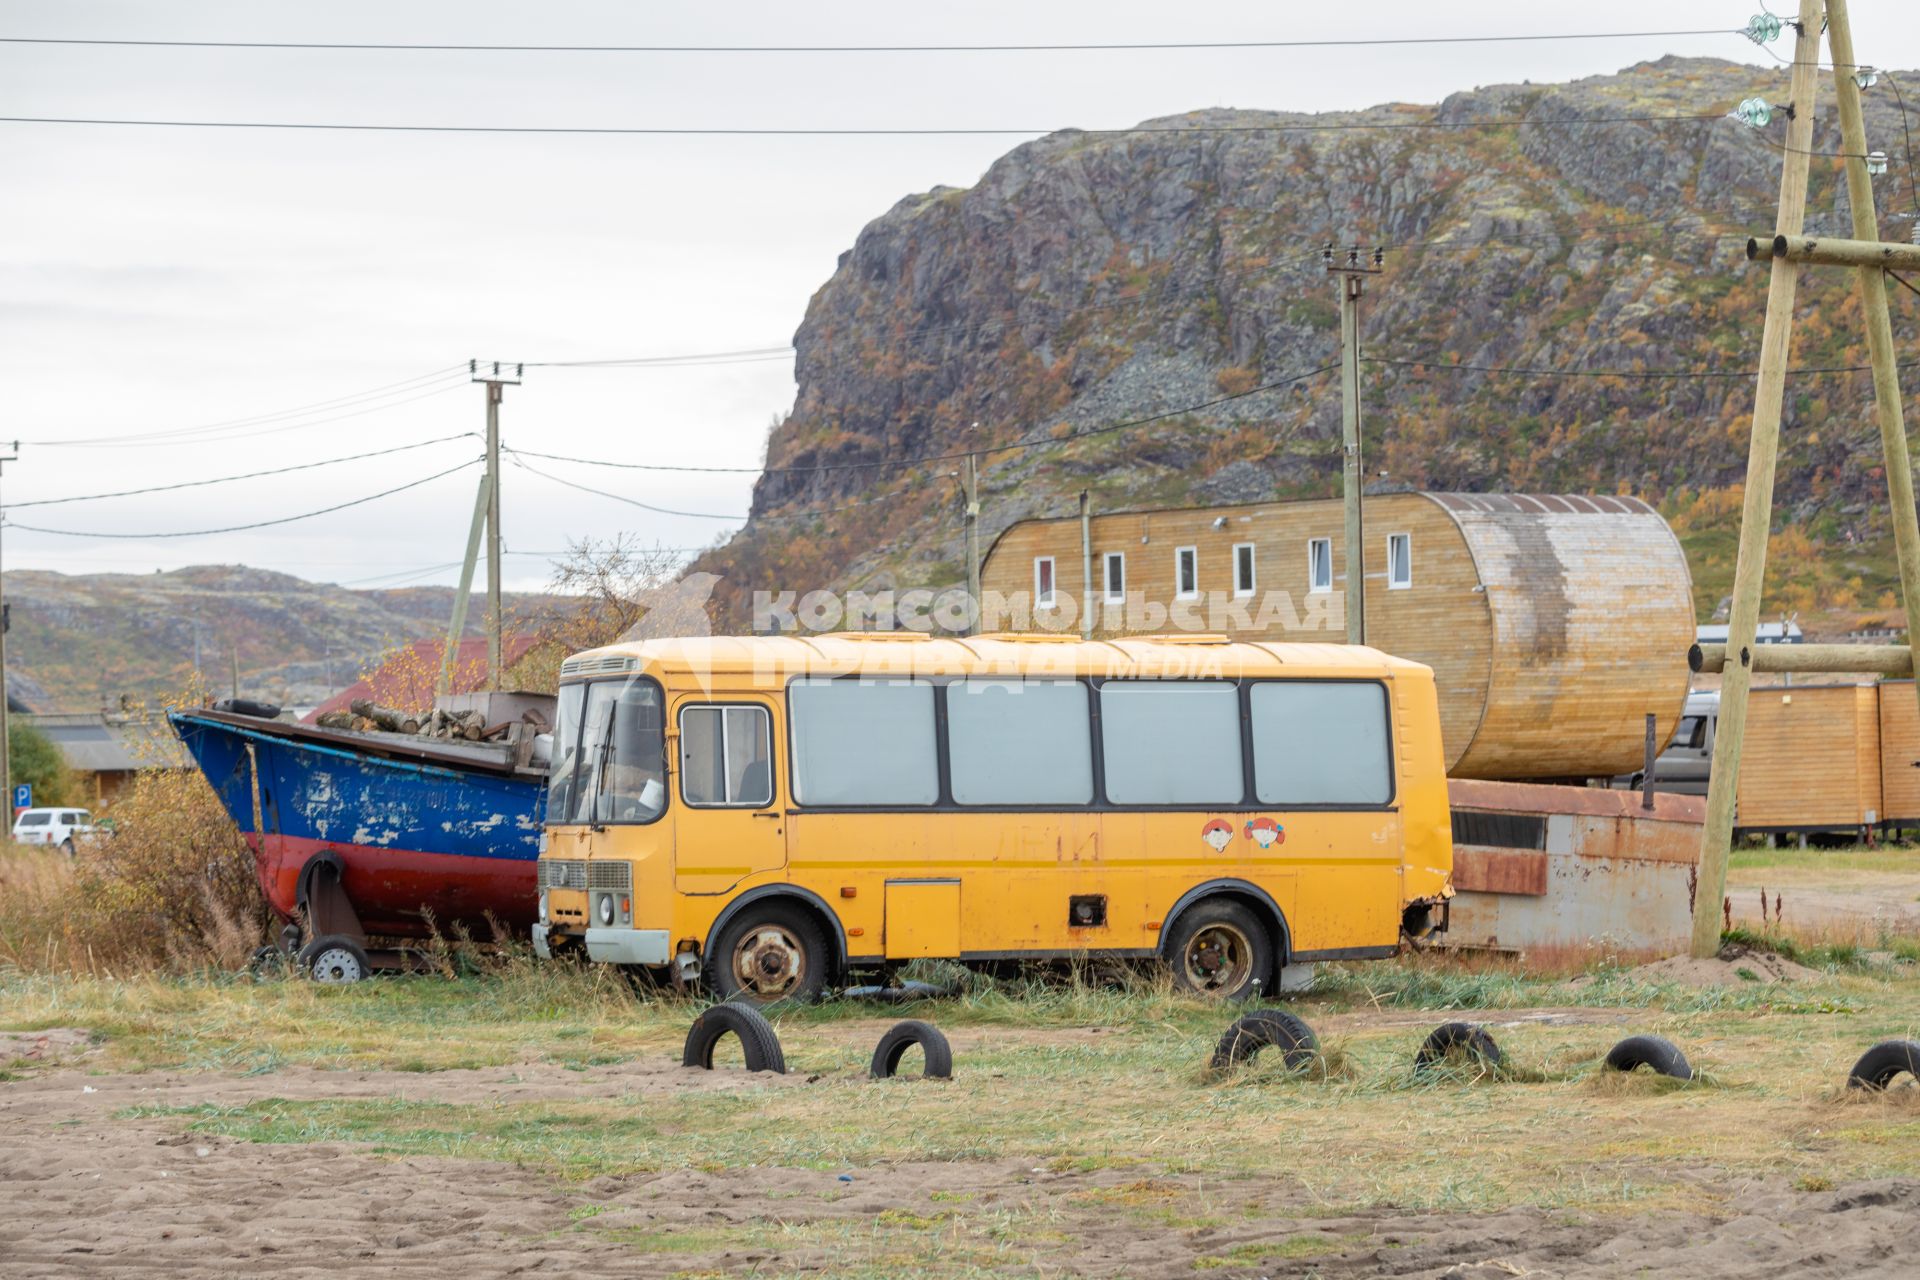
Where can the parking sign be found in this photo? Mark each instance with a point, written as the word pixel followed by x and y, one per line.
pixel 23 796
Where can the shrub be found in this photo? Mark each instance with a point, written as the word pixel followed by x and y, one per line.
pixel 34 759
pixel 172 889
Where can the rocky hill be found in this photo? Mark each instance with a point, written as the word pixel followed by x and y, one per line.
pixel 79 641
pixel 1088 280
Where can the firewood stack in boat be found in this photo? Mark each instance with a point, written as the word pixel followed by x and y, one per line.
pixel 447 725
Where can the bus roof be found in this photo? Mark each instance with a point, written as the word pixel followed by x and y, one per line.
pixel 772 660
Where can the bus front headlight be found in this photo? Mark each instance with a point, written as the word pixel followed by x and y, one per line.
pixel 606 908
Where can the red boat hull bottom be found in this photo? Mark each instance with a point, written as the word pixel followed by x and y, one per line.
pixel 389 886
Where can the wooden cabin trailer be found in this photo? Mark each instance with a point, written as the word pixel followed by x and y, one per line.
pixel 1811 760
pixel 1553 624
pixel 1899 754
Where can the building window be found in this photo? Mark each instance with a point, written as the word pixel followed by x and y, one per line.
pixel 1243 576
pixel 1399 560
pixel 1043 582
pixel 1186 573
pixel 1116 565
pixel 1319 564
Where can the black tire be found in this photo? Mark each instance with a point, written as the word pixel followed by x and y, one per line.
pixel 1471 1040
pixel 1879 1065
pixel 248 707
pixel 1257 1030
pixel 1662 1056
pixel 903 1036
pixel 758 1039
pixel 1220 949
pixel 334 957
pixel 768 953
pixel 66 846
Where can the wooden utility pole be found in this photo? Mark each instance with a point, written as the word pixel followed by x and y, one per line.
pixel 1749 574
pixel 1087 596
pixel 458 627
pixel 1873 301
pixel 6 743
pixel 1351 274
pixel 496 377
pixel 971 478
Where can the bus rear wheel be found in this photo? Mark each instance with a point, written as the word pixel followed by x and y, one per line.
pixel 770 953
pixel 1220 950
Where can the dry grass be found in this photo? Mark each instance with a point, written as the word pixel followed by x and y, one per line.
pixel 1367 1130
pixel 172 891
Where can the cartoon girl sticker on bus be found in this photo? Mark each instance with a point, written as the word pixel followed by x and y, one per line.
pixel 1218 834
pixel 1266 833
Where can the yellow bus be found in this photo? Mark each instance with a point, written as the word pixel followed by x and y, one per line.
pixel 772 815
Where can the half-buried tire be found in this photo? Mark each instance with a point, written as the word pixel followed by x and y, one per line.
pixel 1261 1029
pixel 1461 1037
pixel 1879 1065
pixel 758 1041
pixel 901 1037
pixel 1662 1056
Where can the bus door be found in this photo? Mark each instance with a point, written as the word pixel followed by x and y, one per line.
pixel 731 825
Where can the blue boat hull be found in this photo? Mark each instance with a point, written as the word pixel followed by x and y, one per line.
pixel 422 844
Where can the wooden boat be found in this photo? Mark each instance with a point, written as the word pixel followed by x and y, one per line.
pixel 372 833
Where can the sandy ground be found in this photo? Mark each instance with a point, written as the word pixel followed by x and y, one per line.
pixel 1875 901
pixel 1734 966
pixel 83 1193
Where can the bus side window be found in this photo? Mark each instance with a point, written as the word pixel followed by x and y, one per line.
pixel 863 742
pixel 1171 742
pixel 1019 742
pixel 725 756
pixel 1320 742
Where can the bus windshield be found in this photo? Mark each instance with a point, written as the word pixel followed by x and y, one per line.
pixel 609 753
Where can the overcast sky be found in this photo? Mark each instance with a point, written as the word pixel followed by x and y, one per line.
pixel 159 279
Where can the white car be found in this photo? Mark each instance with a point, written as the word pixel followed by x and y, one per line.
pixel 53 826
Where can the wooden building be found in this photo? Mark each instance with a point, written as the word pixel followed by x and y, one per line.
pixel 106 751
pixel 1899 753
pixel 1554 624
pixel 1812 760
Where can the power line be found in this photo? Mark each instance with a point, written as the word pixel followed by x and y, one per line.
pixel 661 466
pixel 258 524
pixel 1033 442
pixel 602 493
pixel 1308 256
pixel 697 357
pixel 250 475
pixel 391 388
pixel 292 422
pixel 1440 366
pixel 1120 47
pixel 858 132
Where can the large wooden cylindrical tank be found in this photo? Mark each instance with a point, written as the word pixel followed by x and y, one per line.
pixel 1590 612
pixel 1554 623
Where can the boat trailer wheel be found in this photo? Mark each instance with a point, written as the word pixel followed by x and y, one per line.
pixel 335 959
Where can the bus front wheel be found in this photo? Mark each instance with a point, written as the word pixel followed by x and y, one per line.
pixel 1220 950
pixel 775 952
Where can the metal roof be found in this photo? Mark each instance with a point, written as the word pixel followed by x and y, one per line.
pixel 91 742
